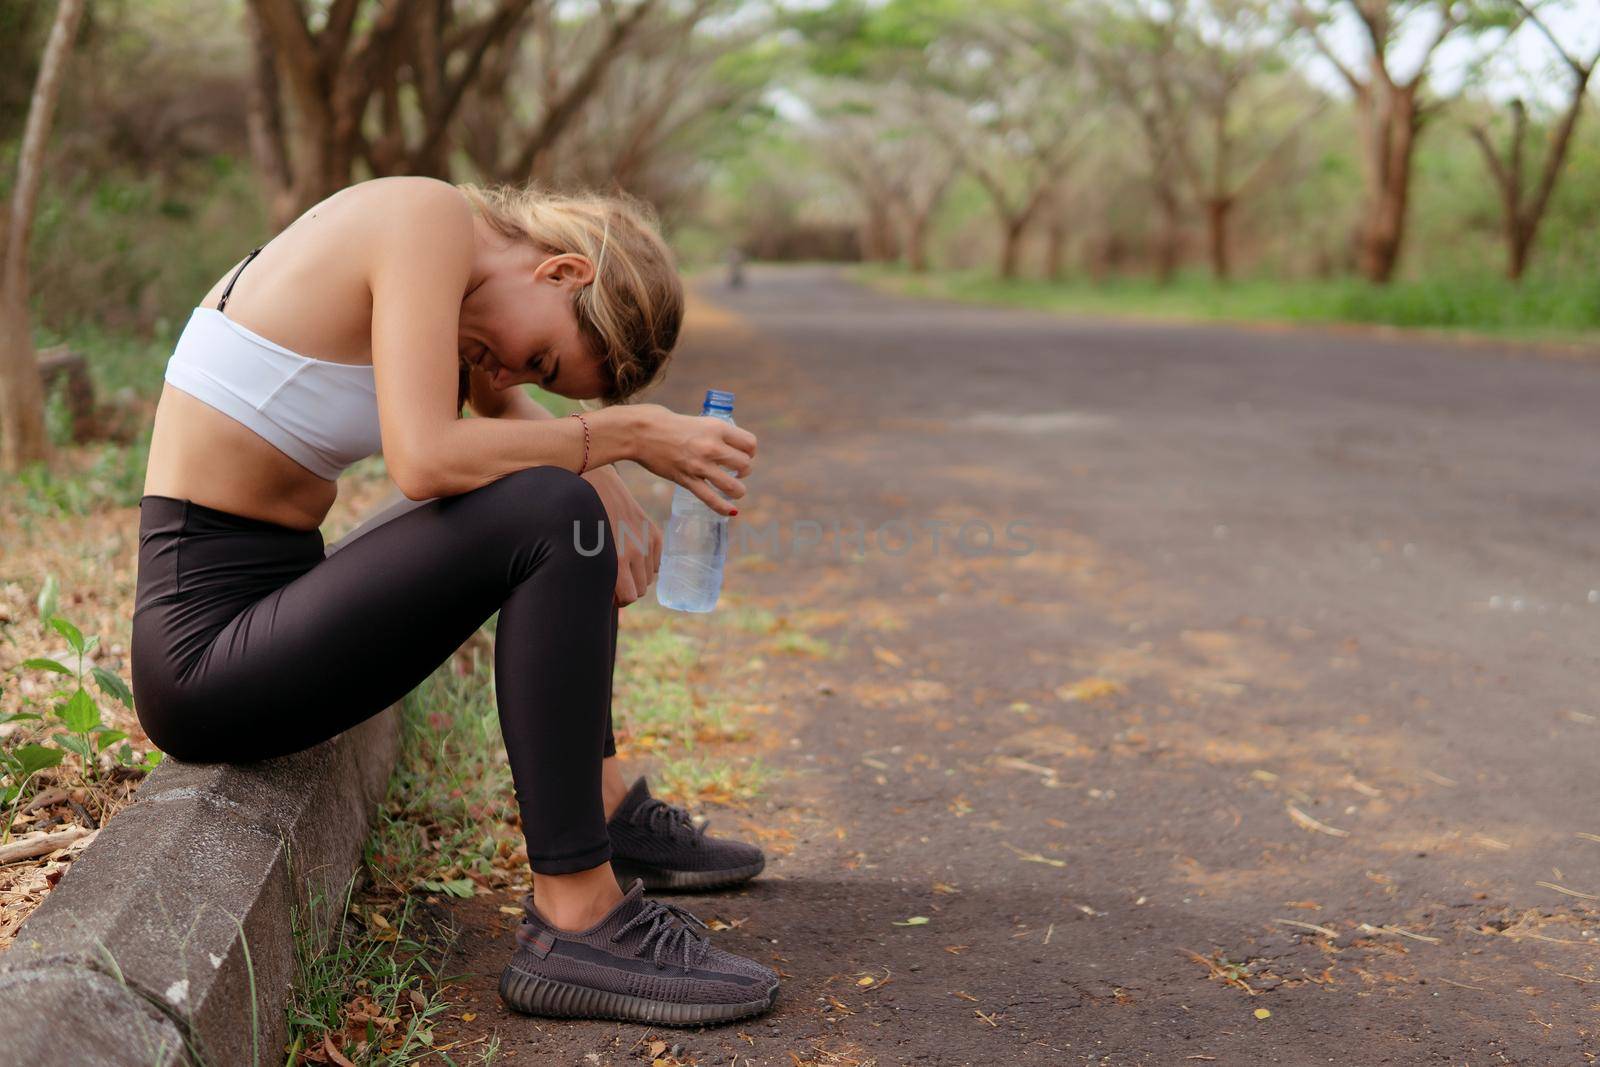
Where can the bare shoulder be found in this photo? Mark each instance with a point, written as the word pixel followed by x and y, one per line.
pixel 416 219
pixel 413 198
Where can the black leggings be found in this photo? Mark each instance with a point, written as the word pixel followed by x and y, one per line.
pixel 251 641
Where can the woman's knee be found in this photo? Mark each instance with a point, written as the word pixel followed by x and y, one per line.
pixel 550 493
pixel 558 508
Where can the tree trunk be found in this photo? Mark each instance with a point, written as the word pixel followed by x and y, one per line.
pixel 1390 117
pixel 1218 210
pixel 23 438
pixel 917 240
pixel 264 122
pixel 878 241
pixel 1519 242
pixel 1011 246
pixel 1520 216
pixel 1168 241
pixel 1055 249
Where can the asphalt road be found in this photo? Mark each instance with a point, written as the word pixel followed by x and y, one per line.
pixel 1282 698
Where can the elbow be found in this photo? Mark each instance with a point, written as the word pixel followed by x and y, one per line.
pixel 424 461
pixel 415 468
pixel 415 491
pixel 414 481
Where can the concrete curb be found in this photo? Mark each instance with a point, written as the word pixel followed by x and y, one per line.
pixel 168 940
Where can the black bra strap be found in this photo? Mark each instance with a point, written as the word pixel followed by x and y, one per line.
pixel 236 274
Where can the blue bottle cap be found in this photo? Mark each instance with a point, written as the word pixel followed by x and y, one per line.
pixel 717 400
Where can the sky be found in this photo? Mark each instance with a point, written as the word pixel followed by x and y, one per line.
pixel 1523 66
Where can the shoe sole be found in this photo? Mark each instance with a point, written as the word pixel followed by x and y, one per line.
pixel 534 995
pixel 667 878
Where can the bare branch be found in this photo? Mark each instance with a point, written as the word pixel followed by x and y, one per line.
pixel 1264 164
pixel 1308 24
pixel 1480 135
pixel 1530 15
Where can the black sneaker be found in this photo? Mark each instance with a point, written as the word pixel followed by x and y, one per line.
pixel 660 844
pixel 645 962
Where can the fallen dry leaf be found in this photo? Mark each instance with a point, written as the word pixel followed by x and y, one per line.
pixel 885 656
pixel 1089 689
pixel 1034 857
pixel 1307 822
pixel 332 1052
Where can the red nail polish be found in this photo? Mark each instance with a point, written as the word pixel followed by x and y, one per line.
pixel 735 511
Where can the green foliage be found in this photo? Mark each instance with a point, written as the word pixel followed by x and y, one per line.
pixel 1545 306
pixel 854 39
pixel 347 956
pixel 452 777
pixel 86 736
pixel 115 249
pixel 112 478
pixel 722 780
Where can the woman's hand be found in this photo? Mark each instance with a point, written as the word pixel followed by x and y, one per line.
pixel 637 539
pixel 693 451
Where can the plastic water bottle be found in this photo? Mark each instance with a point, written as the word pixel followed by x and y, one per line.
pixel 697 538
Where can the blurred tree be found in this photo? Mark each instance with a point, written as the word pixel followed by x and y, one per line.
pixel 1223 99
pixel 23 436
pixel 504 146
pixel 871 96
pixel 416 60
pixel 1021 105
pixel 1132 51
pixel 655 124
pixel 875 139
pixel 420 65
pixel 1523 207
pixel 1391 108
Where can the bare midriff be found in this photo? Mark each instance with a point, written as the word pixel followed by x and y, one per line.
pixel 197 453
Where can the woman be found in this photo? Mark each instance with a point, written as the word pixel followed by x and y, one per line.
pixel 251 640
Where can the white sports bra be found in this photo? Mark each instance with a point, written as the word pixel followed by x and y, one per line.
pixel 322 415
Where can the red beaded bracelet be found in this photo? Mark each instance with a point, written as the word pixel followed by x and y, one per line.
pixel 585 424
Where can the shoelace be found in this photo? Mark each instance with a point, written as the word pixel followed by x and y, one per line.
pixel 671 926
pixel 659 815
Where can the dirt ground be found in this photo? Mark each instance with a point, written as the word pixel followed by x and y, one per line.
pixel 1267 737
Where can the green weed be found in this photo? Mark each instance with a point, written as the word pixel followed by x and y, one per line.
pixel 370 980
pixel 365 980
pixel 73 707
pixel 752 620
pixel 113 477
pixel 714 780
pixel 799 643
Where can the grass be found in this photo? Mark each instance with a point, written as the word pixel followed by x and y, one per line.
pixel 665 709
pixel 368 975
pixel 79 481
pixel 1540 309
pixel 800 643
pixel 754 620
pixel 367 984
pixel 718 780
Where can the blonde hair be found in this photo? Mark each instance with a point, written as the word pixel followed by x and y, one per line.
pixel 631 312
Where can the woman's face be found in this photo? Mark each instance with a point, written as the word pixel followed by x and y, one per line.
pixel 519 326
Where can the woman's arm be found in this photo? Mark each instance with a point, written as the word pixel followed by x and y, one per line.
pixel 419 270
pixel 637 538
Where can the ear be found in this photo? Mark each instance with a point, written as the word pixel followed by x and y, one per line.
pixel 569 268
